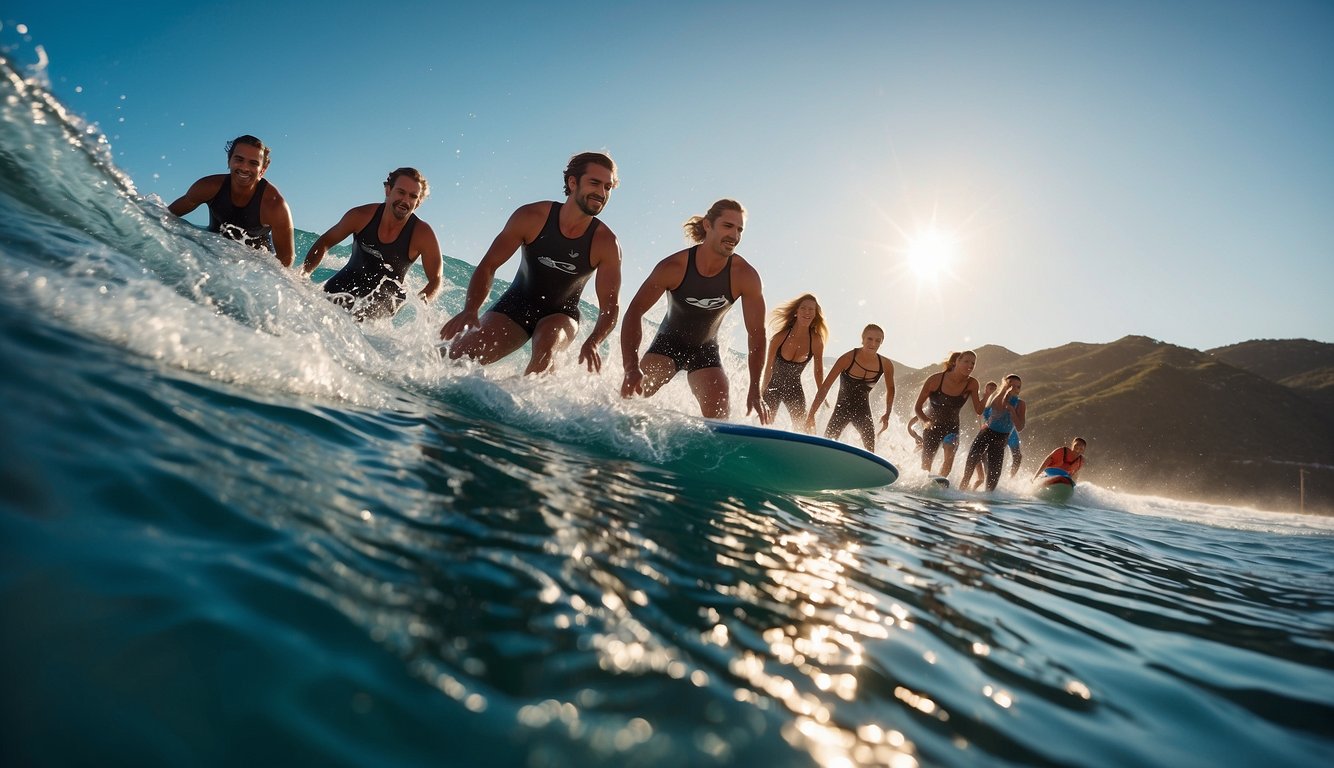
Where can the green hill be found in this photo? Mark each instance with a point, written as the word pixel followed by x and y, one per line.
pixel 1177 422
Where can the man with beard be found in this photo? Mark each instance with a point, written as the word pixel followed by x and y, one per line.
pixel 563 246
pixel 242 204
pixel 701 283
pixel 370 285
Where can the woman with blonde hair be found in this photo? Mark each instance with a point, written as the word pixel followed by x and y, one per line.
pixel 789 353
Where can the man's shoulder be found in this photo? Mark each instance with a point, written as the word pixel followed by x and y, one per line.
pixel 271 193
pixel 211 183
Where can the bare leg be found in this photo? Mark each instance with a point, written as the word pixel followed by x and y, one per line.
pixel 551 336
pixel 710 388
pixel 947 452
pixel 658 370
pixel 496 337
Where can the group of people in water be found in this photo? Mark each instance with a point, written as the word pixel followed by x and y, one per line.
pixel 564 245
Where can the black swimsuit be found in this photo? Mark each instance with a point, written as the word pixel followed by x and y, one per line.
pixel 243 223
pixel 695 309
pixel 944 419
pixel 854 403
pixel 551 275
pixel 375 271
pixel 785 381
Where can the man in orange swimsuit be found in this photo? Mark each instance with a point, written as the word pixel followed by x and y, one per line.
pixel 1070 459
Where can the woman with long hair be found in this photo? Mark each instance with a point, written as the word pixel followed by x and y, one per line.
pixel 799 335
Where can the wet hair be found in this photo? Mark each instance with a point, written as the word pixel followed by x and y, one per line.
pixel 1014 376
pixel 1081 441
pixel 784 317
pixel 694 226
pixel 990 385
pixel 251 141
pixel 954 358
pixel 873 327
pixel 411 173
pixel 578 166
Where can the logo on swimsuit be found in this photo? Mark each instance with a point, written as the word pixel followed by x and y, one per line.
pixel 372 251
pixel 713 303
pixel 561 265
pixel 233 232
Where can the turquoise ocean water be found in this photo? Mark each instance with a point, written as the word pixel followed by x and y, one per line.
pixel 238 528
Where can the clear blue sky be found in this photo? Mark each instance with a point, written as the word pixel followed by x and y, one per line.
pixel 1090 170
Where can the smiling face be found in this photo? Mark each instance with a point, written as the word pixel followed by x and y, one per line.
pixel 592 190
pixel 723 234
pixel 246 165
pixel 966 363
pixel 806 312
pixel 402 198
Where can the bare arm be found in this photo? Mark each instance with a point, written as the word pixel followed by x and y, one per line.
pixel 353 221
pixel 922 398
pixel 1020 414
pixel 523 225
pixel 275 214
pixel 199 193
pixel 665 276
pixel 840 366
pixel 428 247
pixel 606 258
pixel 974 390
pixel 752 312
pixel 769 362
pixel 817 350
pixel 889 391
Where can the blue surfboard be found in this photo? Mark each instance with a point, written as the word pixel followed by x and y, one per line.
pixel 791 461
pixel 1054 486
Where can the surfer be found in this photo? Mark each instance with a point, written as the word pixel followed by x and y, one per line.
pixel 1069 458
pixel 946 393
pixel 702 283
pixel 564 244
pixel 789 353
pixel 242 204
pixel 857 372
pixel 1008 413
pixel 370 285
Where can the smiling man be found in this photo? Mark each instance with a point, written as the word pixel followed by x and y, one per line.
pixel 564 244
pixel 370 285
pixel 242 204
pixel 702 284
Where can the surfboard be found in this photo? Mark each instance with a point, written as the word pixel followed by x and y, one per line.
pixel 791 461
pixel 1054 486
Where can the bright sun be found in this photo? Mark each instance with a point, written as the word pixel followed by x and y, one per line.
pixel 931 253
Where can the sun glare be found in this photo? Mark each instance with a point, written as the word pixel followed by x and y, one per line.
pixel 931 253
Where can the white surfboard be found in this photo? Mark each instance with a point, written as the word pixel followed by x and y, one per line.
pixel 791 461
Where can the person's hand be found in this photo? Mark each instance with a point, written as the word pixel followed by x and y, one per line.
pixel 458 324
pixel 588 354
pixel 633 383
pixel 756 403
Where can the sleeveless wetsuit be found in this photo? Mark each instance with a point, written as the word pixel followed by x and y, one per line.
pixel 695 309
pixel 944 415
pixel 243 223
pixel 375 271
pixel 551 275
pixel 785 381
pixel 854 403
pixel 991 441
